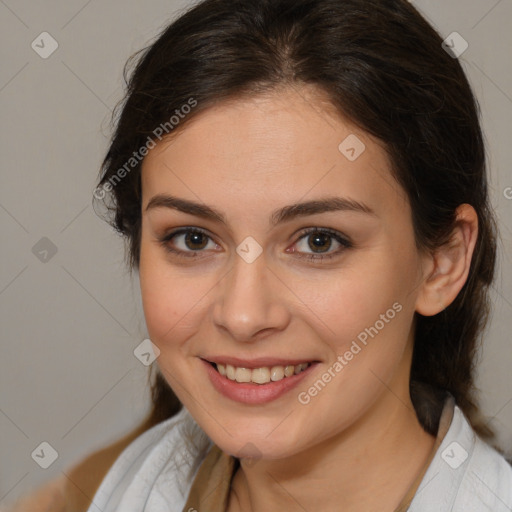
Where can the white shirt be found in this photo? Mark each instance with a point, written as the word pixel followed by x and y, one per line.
pixel 155 472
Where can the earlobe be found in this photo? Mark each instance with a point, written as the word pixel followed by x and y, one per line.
pixel 449 265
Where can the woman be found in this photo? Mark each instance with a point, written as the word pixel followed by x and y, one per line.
pixel 302 187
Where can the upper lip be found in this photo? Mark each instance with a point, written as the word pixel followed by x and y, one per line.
pixel 258 362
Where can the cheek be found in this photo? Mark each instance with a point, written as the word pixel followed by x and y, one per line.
pixel 365 327
pixel 363 313
pixel 170 303
pixel 349 300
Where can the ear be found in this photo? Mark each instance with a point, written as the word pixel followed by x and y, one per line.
pixel 447 268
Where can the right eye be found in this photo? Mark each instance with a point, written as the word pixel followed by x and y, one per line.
pixel 187 242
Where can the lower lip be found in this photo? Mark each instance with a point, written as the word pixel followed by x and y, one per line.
pixel 250 393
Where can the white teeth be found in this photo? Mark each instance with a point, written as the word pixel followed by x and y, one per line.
pixel 288 370
pixel 260 375
pixel 230 372
pixel 243 375
pixel 276 373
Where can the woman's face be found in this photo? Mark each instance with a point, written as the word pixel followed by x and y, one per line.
pixel 270 238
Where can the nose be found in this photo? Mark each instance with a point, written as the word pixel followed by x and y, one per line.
pixel 251 301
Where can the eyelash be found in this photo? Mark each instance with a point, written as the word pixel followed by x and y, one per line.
pixel 344 242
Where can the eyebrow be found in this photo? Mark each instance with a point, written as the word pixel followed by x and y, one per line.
pixel 287 213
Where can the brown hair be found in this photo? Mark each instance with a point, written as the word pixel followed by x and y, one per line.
pixel 384 68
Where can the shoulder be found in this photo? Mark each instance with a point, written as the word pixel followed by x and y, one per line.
pixel 74 489
pixel 466 474
pixel 487 480
pixel 50 496
pixel 159 464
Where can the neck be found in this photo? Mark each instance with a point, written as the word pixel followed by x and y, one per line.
pixel 383 452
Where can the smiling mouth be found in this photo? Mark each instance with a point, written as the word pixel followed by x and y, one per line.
pixel 263 375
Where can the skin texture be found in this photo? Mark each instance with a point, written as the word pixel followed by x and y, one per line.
pixel 248 158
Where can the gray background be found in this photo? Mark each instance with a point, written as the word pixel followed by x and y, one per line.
pixel 69 325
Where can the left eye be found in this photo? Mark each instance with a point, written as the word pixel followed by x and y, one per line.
pixel 320 242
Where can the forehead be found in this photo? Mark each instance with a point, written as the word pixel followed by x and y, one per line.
pixel 271 149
